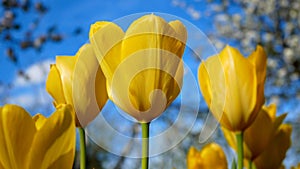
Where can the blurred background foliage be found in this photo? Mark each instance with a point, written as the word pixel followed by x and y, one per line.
pixel 274 24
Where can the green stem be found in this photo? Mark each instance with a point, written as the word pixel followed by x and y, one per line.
pixel 250 164
pixel 239 138
pixel 145 145
pixel 82 148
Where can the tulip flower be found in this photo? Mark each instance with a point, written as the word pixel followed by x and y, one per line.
pixel 78 81
pixel 211 156
pixel 143 65
pixel 233 86
pixel 36 142
pixel 275 152
pixel 256 137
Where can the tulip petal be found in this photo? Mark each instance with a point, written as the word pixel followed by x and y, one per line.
pixel 257 138
pixel 17 130
pixel 54 139
pixel 100 88
pixel 152 31
pixel 212 84
pixel 241 88
pixel 39 121
pixel 54 86
pixel 65 66
pixel 204 83
pixel 105 38
pixel 1 166
pixel 276 149
pixel 150 24
pixel 143 95
pixel 193 159
pixel 180 29
pixel 144 83
pixel 89 86
pixel 211 156
pixel 259 59
pixel 64 161
pixel 181 35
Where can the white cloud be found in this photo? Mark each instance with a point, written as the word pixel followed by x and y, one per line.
pixel 37 73
pixel 24 100
pixel 34 99
pixel 31 94
pixel 193 13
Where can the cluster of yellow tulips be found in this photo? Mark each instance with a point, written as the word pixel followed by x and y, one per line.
pixel 141 71
pixel 234 92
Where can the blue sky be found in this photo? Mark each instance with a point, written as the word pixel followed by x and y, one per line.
pixel 70 14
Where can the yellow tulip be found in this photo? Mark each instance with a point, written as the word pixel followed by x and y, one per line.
pixel 275 152
pixel 36 142
pixel 80 82
pixel 256 137
pixel 233 86
pixel 211 156
pixel 143 65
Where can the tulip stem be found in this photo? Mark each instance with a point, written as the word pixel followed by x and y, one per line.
pixel 250 164
pixel 145 145
pixel 239 138
pixel 82 148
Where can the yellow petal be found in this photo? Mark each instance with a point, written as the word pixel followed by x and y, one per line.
pixel 152 31
pixel 230 137
pixel 54 139
pixel 17 130
pixel 257 138
pixel 65 66
pixel 65 161
pixel 205 85
pixel 276 150
pixel 97 26
pixel 180 29
pixel 212 85
pixel 54 86
pixel 1 166
pixel 181 35
pixel 89 86
pixel 211 156
pixel 193 159
pixel 241 88
pixel 100 88
pixel 130 92
pixel 259 59
pixel 105 38
pixel 39 121
pixel 143 96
